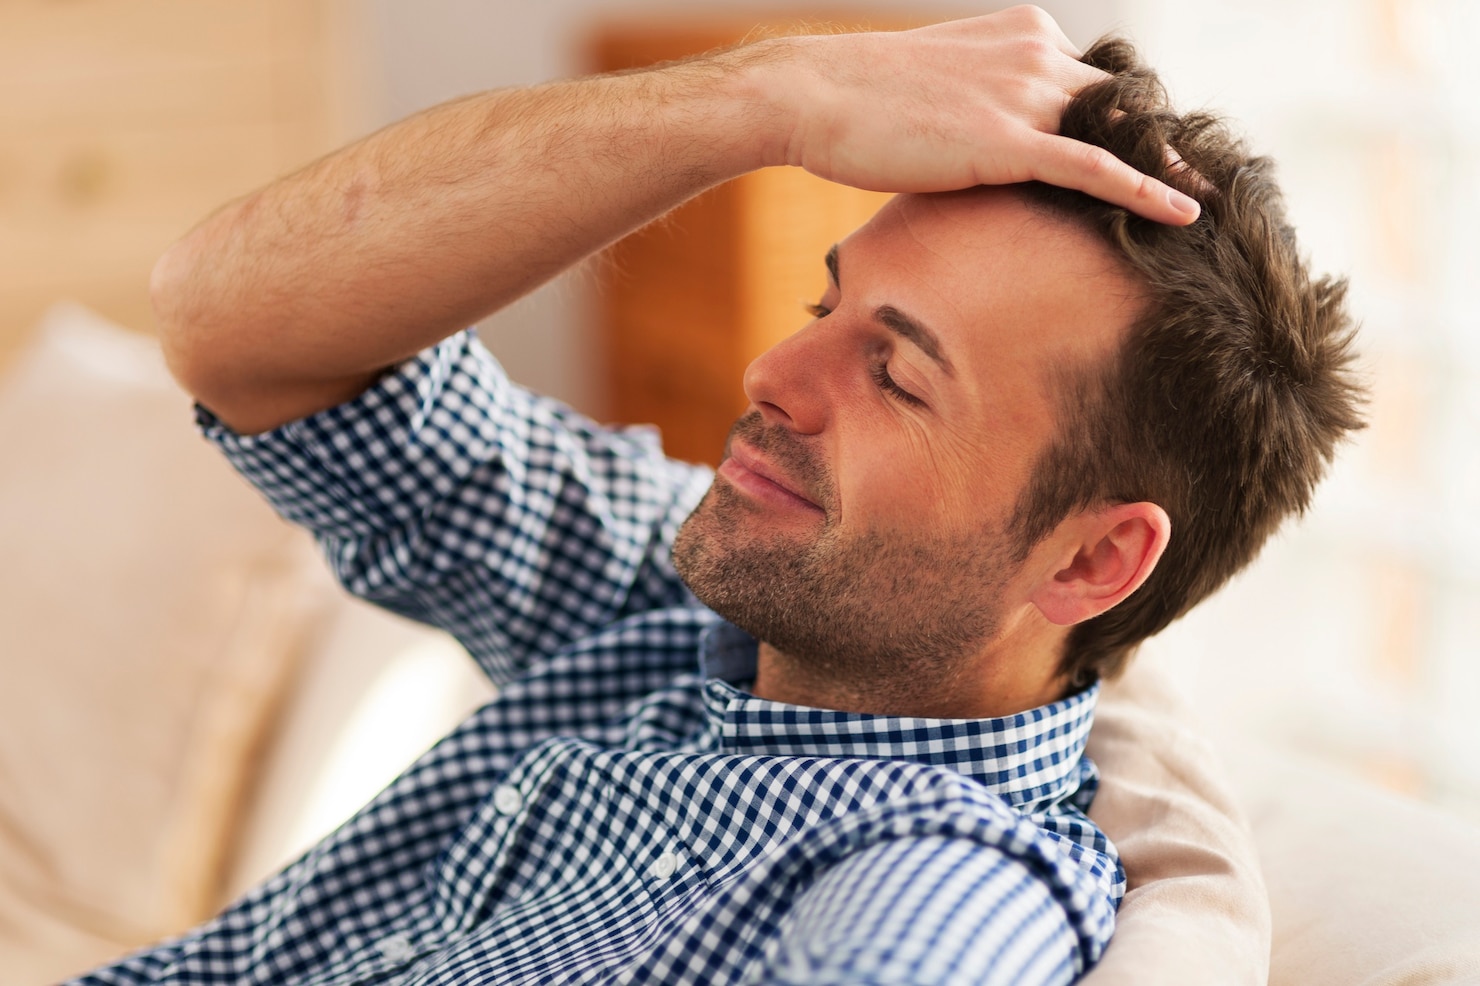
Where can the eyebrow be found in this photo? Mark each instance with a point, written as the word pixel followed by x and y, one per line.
pixel 899 323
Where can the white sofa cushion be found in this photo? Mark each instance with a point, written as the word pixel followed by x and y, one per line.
pixel 1195 909
pixel 151 607
pixel 1367 888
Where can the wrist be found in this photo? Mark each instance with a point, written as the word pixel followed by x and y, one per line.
pixel 717 116
pixel 763 84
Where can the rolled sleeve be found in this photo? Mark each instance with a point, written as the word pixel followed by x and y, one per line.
pixel 387 456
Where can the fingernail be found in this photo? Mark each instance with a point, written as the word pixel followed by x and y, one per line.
pixel 1185 204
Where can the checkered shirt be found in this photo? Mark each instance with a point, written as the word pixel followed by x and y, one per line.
pixel 624 811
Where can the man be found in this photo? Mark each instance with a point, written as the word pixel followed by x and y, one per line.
pixel 947 490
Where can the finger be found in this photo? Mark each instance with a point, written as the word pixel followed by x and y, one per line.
pixel 1185 172
pixel 1176 167
pixel 1095 171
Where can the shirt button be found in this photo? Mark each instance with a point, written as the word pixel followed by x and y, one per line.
pixel 508 800
pixel 665 866
pixel 396 948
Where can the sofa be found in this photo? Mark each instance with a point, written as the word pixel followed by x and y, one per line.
pixel 188 703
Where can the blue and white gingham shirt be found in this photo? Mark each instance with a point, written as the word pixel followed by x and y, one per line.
pixel 624 811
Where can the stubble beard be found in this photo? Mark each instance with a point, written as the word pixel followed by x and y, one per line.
pixel 895 615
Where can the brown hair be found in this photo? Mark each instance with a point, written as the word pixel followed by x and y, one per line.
pixel 1227 399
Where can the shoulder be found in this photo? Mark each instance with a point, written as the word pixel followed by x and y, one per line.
pixel 936 883
pixel 929 909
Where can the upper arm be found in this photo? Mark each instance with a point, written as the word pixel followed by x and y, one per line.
pixel 926 910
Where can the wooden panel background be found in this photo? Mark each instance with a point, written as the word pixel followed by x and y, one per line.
pixel 123 122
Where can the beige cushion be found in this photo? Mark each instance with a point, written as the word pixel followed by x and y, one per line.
pixel 151 608
pixel 1364 888
pixel 1367 888
pixel 1195 910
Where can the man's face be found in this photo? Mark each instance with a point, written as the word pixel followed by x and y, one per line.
pixel 857 523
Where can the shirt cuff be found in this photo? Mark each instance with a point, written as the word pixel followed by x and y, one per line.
pixel 385 456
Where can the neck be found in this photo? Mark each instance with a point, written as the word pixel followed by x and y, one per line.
pixel 1017 672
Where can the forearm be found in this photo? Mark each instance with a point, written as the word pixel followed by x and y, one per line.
pixel 296 296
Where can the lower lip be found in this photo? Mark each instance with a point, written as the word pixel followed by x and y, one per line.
pixel 761 488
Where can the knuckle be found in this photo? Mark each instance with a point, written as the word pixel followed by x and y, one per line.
pixel 1040 18
pixel 1041 54
pixel 1096 162
pixel 1033 57
pixel 1032 17
pixel 1022 11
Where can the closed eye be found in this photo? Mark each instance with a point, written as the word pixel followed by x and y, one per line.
pixel 879 370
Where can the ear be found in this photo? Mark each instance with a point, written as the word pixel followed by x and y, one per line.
pixel 1097 558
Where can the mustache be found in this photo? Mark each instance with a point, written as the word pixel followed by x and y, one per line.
pixel 791 454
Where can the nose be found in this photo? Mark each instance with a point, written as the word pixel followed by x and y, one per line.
pixel 787 382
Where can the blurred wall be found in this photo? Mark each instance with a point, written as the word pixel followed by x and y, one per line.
pixel 1356 637
pixel 122 122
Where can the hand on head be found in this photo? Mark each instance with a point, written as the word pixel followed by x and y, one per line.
pixel 952 105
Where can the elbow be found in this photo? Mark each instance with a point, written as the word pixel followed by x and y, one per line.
pixel 167 290
pixel 181 324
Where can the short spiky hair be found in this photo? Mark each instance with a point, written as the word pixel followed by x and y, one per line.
pixel 1227 400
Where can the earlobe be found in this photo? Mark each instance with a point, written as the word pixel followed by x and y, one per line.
pixel 1101 557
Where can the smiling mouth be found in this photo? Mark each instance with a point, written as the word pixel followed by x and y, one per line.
pixel 748 473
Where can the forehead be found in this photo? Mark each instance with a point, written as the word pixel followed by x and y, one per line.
pixel 992 276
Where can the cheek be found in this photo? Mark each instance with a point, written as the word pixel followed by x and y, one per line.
pixel 968 477
pixel 908 475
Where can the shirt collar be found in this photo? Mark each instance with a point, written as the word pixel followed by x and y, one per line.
pixel 1030 759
